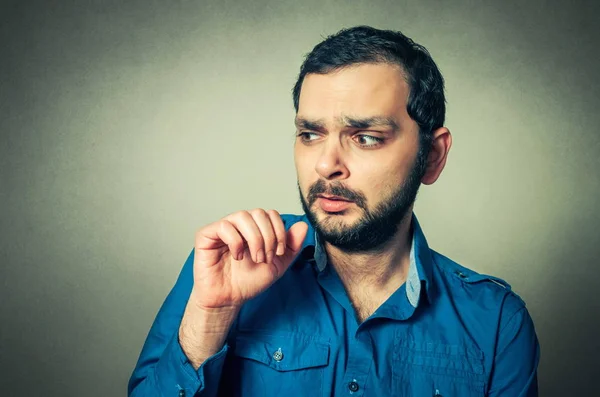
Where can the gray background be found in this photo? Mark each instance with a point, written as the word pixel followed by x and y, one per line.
pixel 126 126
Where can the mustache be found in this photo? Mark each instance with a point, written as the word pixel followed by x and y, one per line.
pixel 335 189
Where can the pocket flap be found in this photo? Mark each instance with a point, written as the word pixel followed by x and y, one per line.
pixel 450 358
pixel 283 352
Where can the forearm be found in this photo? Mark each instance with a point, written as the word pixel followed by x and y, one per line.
pixel 173 372
pixel 163 367
pixel 203 332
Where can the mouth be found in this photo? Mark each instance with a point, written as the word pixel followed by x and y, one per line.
pixel 333 204
pixel 333 198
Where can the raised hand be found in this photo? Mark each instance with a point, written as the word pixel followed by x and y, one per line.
pixel 241 255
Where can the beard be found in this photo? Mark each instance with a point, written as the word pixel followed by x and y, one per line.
pixel 375 227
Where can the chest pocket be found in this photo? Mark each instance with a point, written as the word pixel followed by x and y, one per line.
pixel 434 369
pixel 278 364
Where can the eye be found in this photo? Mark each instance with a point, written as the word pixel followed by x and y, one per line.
pixel 368 141
pixel 307 136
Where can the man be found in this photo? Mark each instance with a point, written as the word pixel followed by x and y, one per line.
pixel 347 299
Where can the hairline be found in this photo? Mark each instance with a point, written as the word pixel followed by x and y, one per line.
pixel 335 69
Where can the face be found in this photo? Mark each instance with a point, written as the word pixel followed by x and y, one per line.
pixel 356 154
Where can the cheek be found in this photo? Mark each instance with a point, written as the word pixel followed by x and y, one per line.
pixel 380 181
pixel 303 172
pixel 304 161
pixel 298 161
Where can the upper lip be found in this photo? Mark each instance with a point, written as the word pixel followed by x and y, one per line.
pixel 329 197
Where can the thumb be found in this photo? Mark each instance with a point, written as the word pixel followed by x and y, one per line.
pixel 294 238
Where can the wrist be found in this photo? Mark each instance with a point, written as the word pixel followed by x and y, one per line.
pixel 199 303
pixel 203 331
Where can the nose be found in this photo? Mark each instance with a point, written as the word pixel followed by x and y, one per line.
pixel 330 163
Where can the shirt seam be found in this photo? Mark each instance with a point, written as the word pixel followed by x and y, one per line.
pixel 511 318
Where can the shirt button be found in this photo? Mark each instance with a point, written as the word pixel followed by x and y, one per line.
pixel 278 355
pixel 353 386
pixel 181 393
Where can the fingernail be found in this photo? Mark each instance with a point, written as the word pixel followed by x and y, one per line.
pixel 270 257
pixel 240 255
pixel 260 256
pixel 280 249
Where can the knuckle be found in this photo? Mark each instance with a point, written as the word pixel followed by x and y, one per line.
pixel 224 224
pixel 258 212
pixel 237 215
pixel 230 215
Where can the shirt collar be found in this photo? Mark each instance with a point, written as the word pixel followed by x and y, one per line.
pixel 420 268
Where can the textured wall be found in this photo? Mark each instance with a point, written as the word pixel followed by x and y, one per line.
pixel 125 126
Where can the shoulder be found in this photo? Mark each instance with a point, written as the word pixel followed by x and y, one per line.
pixel 480 290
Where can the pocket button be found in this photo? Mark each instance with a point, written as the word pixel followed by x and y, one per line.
pixel 278 355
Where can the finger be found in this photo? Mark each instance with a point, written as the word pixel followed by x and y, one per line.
pixel 249 231
pixel 279 229
pixel 268 234
pixel 219 234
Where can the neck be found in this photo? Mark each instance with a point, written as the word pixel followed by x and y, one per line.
pixel 382 270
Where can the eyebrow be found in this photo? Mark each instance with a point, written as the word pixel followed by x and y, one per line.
pixel 368 122
pixel 347 121
pixel 315 125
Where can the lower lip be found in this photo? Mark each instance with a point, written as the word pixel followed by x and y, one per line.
pixel 333 205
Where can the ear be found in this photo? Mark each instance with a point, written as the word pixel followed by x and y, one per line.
pixel 436 161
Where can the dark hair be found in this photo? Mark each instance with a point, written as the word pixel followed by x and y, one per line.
pixel 364 44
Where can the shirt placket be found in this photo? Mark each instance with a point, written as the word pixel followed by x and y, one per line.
pixel 360 359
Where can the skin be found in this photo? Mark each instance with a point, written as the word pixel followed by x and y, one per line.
pixel 238 257
pixel 235 259
pixel 371 160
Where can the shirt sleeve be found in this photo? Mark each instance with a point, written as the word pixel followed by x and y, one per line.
pixel 163 368
pixel 517 357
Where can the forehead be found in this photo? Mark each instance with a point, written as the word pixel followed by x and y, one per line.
pixel 364 90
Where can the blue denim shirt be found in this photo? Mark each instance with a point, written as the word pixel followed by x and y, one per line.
pixel 447 331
